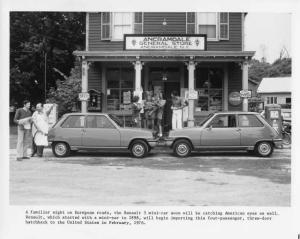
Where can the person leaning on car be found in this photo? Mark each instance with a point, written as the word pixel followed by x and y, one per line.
pixel 23 120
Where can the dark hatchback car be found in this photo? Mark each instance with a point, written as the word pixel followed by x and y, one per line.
pixel 92 131
pixel 227 131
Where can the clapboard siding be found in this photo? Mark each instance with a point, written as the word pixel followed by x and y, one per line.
pixel 176 24
pixel 235 36
pixel 94 77
pixel 234 83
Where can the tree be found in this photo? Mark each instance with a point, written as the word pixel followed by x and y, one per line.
pixel 260 69
pixel 39 42
pixel 65 95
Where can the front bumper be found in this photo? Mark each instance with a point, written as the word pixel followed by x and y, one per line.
pixel 278 143
pixel 169 142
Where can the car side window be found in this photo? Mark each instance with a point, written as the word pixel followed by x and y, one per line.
pixel 74 121
pixel 249 121
pixel 98 121
pixel 223 121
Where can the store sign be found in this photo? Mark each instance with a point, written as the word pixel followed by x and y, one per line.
pixel 83 96
pixel 193 95
pixel 53 116
pixel 245 93
pixel 235 98
pixel 164 42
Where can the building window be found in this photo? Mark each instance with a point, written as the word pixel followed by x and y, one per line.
pixel 114 25
pixel 224 26
pixel 121 24
pixel 209 84
pixel 138 22
pixel 120 84
pixel 288 100
pixel 214 25
pixel 207 24
pixel 190 22
pixel 105 26
pixel 272 100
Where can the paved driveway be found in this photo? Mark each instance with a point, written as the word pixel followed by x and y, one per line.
pixel 218 179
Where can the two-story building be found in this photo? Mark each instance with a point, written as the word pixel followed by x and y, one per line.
pixel 199 54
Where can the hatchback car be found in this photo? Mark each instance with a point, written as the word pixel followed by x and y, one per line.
pixel 90 131
pixel 227 131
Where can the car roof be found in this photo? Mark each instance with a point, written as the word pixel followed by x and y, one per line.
pixel 88 113
pixel 237 112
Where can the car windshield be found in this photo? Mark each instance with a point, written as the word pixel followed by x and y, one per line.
pixel 116 120
pixel 206 119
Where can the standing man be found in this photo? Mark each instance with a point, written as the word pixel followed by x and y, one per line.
pixel 40 129
pixel 177 106
pixel 23 120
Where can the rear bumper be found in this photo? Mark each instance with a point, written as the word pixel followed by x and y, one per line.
pixel 152 142
pixel 277 143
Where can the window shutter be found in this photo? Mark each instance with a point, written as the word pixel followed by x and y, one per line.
pixel 138 22
pixel 105 26
pixel 190 22
pixel 224 26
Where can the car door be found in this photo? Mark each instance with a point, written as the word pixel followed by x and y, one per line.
pixel 221 131
pixel 71 130
pixel 100 132
pixel 251 128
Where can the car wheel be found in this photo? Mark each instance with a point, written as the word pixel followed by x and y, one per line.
pixel 182 148
pixel 139 149
pixel 264 149
pixel 61 149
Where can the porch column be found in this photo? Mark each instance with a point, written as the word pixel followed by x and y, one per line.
pixel 84 83
pixel 245 84
pixel 191 70
pixel 138 78
pixel 225 85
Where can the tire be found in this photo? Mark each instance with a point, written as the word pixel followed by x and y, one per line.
pixel 61 149
pixel 286 138
pixel 264 149
pixel 139 149
pixel 182 148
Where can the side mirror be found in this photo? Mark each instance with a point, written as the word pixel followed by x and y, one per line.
pixel 209 127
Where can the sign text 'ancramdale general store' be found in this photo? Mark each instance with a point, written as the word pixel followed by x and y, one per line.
pixel 164 42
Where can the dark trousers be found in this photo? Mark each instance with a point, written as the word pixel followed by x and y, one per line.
pixel 36 149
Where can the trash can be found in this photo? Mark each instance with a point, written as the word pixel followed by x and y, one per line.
pixel 273 116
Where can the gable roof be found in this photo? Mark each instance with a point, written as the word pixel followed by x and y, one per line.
pixel 275 85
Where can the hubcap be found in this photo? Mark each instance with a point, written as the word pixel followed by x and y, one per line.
pixel 182 149
pixel 138 150
pixel 60 149
pixel 264 148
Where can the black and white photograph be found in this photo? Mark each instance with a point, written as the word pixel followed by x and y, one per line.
pixel 134 108
pixel 150 108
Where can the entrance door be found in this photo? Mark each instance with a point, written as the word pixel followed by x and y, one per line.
pixel 169 87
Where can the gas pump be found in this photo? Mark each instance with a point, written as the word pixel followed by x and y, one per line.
pixel 273 116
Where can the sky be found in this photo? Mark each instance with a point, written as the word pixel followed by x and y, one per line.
pixel 267 34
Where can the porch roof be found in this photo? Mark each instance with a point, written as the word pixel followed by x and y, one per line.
pixel 166 55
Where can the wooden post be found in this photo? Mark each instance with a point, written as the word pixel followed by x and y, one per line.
pixel 245 84
pixel 84 84
pixel 191 70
